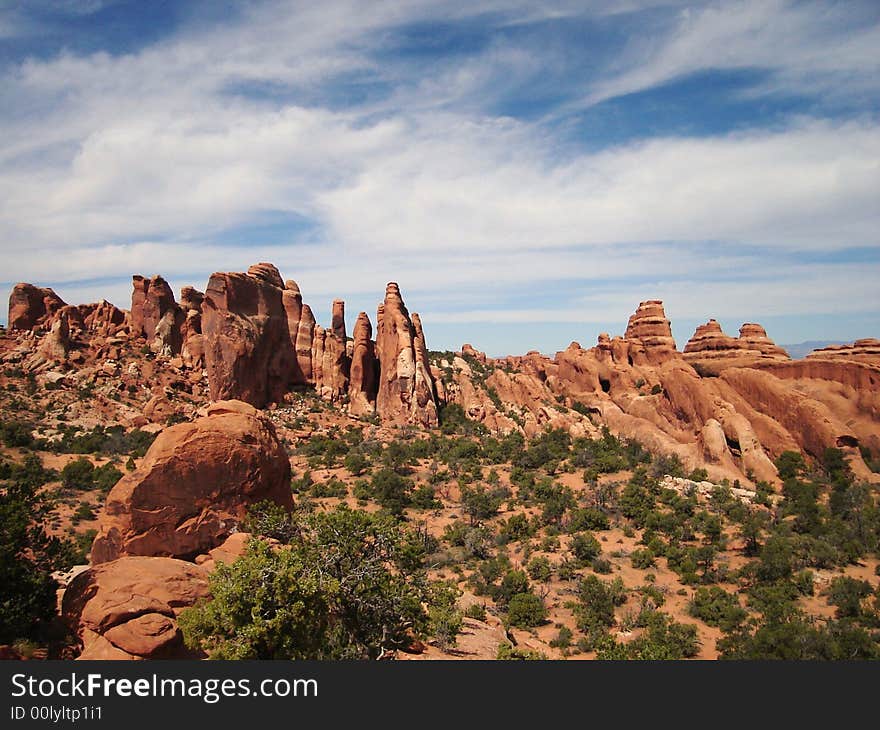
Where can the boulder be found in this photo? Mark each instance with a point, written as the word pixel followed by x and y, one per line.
pixel 194 485
pixel 127 608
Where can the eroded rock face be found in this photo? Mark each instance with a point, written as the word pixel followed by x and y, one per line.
pixel 194 486
pixel 31 306
pixel 127 608
pixel 641 388
pixel 649 334
pixel 247 344
pixel 158 303
pixel 867 349
pixel 102 318
pixel 710 350
pixel 364 369
pixel 406 387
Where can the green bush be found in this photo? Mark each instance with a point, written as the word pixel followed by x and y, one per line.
pixel 642 559
pixel 271 520
pixel 28 555
pixel 586 518
pixel 424 497
pixel 526 610
pixel 339 591
pixel 539 569
pixel 16 434
pixel 390 490
pixel 444 619
pixel 585 547
pixel 356 463
pixel 506 652
pixel 514 582
pixel 78 474
pixel 716 607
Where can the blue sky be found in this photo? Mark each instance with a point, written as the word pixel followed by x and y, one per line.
pixel 528 172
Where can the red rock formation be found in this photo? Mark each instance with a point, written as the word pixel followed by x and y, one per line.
pixel 468 350
pixel 711 351
pixel 159 301
pixel 406 388
pixel 127 608
pixel 337 325
pixel 304 342
pixel 139 285
pixel 364 366
pixel 192 347
pixel 710 337
pixel 248 352
pixel 291 300
pixel 194 486
pixel 268 273
pixel 649 334
pixel 31 307
pixel 754 337
pixel 330 363
pixel 867 349
pixel 102 318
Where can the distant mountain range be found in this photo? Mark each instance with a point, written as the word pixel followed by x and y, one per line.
pixel 802 349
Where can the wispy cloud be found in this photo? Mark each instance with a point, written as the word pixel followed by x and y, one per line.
pixel 401 166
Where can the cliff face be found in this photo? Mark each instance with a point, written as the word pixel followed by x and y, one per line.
pixel 728 404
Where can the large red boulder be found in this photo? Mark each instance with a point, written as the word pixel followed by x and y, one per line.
pixel 127 608
pixel 194 486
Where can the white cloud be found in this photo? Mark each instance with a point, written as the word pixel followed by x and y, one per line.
pixel 111 165
pixel 810 47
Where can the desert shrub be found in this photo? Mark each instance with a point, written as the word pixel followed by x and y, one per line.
pixel 506 652
pixel 271 520
pixel 390 490
pixel 539 569
pixel 105 477
pixel 476 611
pixel 665 639
pixel 480 503
pixel 642 558
pixel 78 474
pixel 444 619
pixel 513 583
pixel 601 566
pixel 526 610
pixel 563 639
pixel 337 592
pixel 83 511
pixel 16 434
pixel 356 463
pixel 716 607
pixel 332 487
pixel 585 547
pixel 586 518
pixel 28 555
pixel 846 594
pixel 596 602
pixel 424 497
pixel 698 475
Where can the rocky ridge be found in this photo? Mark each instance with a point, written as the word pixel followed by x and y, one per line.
pixel 727 404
